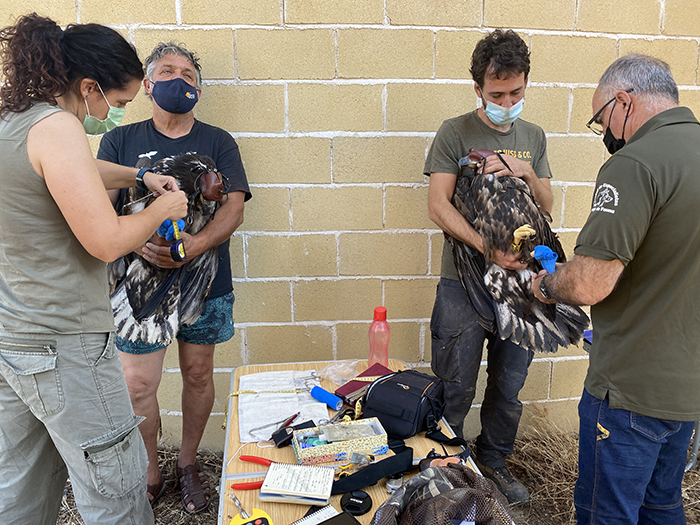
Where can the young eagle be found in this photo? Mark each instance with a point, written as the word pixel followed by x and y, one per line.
pixel 504 212
pixel 150 303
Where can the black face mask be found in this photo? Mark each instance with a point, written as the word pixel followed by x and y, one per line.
pixel 611 143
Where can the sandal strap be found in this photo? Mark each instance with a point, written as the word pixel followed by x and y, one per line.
pixel 194 489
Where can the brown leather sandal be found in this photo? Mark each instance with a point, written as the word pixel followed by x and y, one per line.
pixel 156 491
pixel 195 490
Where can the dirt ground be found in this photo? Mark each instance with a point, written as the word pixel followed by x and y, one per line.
pixel 545 462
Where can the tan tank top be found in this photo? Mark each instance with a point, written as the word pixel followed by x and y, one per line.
pixel 49 283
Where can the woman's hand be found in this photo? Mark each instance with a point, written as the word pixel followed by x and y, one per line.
pixel 160 183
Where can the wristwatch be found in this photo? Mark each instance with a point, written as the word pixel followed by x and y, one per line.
pixel 543 290
pixel 139 178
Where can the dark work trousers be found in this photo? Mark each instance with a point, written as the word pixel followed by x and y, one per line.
pixel 457 346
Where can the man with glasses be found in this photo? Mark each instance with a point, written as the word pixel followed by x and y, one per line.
pixel 500 67
pixel 637 261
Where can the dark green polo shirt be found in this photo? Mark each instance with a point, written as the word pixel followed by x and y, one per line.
pixel 646 213
pixel 457 135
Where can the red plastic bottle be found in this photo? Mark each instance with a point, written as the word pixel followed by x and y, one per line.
pixel 379 333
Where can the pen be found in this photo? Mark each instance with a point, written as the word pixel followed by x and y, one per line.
pixel 290 420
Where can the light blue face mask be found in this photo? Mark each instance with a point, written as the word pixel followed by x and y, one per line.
pixel 501 116
pixel 94 126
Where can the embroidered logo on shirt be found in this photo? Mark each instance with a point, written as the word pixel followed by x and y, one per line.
pixel 605 199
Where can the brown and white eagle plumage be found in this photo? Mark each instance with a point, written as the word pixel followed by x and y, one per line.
pixel 151 303
pixel 503 299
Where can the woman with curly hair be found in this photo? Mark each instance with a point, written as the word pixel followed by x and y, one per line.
pixel 64 404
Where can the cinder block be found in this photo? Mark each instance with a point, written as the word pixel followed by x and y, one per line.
pixel 453 53
pixel 404 343
pixel 170 391
pixel 582 110
pixel 437 241
pixel 268 210
pixel 577 349
pixel 236 253
pixel 227 354
pixel 231 12
pixel 292 256
pixel 60 11
pixel 568 242
pixel 472 424
pixel 552 58
pixel 334 12
pixel 410 298
pixel 567 378
pixel 537 382
pixel 378 159
pixel 285 53
pixel 141 108
pixel 291 343
pixel 347 299
pixel 560 416
pixel 577 205
pixel 363 53
pixel 318 107
pixel 407 208
pixel 213 47
pixel 270 160
pixel 544 14
pixel 575 158
pixel 681 17
pixel 548 107
pixel 242 108
pixel 681 55
pixel 383 254
pixel 690 99
pixel 631 16
pixel 558 195
pixel 453 13
pixel 214 437
pixel 262 302
pixel 423 107
pixel 321 209
pixel 155 12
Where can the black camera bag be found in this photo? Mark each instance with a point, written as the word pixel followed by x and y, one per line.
pixel 406 403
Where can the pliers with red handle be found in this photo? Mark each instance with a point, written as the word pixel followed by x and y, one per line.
pixel 252 485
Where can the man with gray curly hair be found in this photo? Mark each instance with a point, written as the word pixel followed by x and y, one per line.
pixel 636 261
pixel 174 84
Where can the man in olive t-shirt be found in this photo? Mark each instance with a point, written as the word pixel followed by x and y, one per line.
pixel 637 261
pixel 500 65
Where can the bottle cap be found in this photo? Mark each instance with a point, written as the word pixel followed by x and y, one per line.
pixel 380 313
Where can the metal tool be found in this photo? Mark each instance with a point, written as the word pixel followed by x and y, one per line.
pixel 257 517
pixel 140 200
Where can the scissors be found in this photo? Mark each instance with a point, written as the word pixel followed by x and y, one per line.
pixel 252 485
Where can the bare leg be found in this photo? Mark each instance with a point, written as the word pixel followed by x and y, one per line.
pixel 197 367
pixel 143 373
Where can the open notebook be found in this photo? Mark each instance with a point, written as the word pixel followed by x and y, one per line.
pixel 327 516
pixel 304 484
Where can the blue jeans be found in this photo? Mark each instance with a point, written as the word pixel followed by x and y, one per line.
pixel 457 347
pixel 630 466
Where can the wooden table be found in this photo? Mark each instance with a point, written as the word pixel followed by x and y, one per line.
pixel 285 513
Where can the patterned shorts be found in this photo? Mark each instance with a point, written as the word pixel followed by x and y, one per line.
pixel 214 326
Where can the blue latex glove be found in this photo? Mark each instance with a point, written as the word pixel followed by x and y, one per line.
pixel 166 229
pixel 546 257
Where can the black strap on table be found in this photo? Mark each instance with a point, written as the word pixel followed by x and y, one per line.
pixel 400 462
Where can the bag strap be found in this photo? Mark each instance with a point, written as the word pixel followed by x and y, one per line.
pixel 436 435
pixel 371 474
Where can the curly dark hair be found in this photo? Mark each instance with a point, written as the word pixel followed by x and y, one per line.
pixel 501 54
pixel 40 61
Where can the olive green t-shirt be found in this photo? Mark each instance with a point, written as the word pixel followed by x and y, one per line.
pixel 646 213
pixel 457 135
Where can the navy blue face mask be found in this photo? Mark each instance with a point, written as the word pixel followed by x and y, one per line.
pixel 175 96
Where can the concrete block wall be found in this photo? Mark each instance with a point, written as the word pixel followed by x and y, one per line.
pixel 334 104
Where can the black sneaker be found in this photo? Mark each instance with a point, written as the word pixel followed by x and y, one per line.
pixel 514 491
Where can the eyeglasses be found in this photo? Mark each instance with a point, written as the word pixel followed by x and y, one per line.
pixel 593 124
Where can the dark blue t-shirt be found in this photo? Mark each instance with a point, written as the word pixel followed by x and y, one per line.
pixel 125 145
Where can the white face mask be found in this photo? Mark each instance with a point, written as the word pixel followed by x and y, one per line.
pixel 501 116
